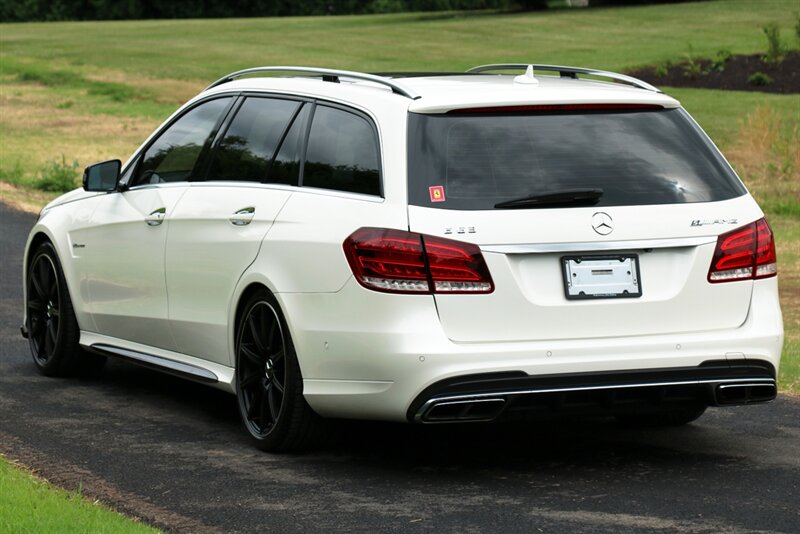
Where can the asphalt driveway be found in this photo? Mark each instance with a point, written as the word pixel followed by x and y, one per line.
pixel 172 453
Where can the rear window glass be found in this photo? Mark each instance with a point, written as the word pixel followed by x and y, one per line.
pixel 472 162
pixel 342 153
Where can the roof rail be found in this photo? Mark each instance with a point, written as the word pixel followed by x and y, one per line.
pixel 330 75
pixel 568 72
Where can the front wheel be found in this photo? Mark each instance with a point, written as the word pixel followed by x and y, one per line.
pixel 53 331
pixel 269 385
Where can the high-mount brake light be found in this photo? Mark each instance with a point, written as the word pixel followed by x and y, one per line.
pixel 396 261
pixel 538 108
pixel 745 253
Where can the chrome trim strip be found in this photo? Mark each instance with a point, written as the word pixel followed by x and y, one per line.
pixel 500 394
pixel 163 364
pixel 562 70
pixel 398 88
pixel 541 248
pixel 744 385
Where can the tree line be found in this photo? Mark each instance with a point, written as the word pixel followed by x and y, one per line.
pixel 56 10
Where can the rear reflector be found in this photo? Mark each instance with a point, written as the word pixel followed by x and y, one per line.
pixel 397 261
pixel 539 108
pixel 746 253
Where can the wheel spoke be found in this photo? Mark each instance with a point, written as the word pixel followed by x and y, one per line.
pixel 271 336
pixel 277 357
pixel 37 286
pixel 49 338
pixel 277 385
pixel 252 356
pixel 249 381
pixel 254 331
pixel 265 409
pixel 274 403
pixel 255 403
pixel 44 273
pixel 35 305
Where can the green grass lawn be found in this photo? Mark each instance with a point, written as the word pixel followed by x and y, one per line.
pixel 89 91
pixel 28 504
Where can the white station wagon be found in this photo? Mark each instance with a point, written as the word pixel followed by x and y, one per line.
pixel 429 248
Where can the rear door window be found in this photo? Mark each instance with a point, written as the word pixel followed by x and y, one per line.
pixel 246 151
pixel 342 152
pixel 472 162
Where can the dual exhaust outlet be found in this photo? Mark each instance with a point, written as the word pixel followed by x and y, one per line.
pixel 488 407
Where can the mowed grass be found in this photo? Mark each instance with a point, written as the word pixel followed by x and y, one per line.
pixel 28 504
pixel 91 91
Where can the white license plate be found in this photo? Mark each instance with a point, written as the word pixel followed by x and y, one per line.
pixel 601 277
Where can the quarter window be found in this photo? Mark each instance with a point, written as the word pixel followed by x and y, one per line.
pixel 342 153
pixel 173 156
pixel 247 149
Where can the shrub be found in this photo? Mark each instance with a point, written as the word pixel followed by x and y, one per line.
pixel 775 49
pixel 797 27
pixel 58 176
pixel 719 61
pixel 759 79
pixel 692 68
pixel 662 69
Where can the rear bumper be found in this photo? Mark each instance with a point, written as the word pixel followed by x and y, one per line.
pixel 491 396
pixel 388 356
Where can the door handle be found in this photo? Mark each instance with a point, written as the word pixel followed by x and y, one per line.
pixel 243 216
pixel 156 217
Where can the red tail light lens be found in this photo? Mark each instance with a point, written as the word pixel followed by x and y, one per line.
pixel 744 254
pixel 396 261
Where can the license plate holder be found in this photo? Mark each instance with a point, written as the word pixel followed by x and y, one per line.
pixel 601 277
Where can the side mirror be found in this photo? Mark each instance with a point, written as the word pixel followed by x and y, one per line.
pixel 102 177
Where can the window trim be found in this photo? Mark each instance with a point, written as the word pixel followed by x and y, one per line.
pixel 227 116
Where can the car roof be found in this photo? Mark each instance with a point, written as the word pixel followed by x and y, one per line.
pixel 443 92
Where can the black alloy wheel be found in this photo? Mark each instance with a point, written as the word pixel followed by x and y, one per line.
pixel 53 331
pixel 44 309
pixel 261 368
pixel 269 385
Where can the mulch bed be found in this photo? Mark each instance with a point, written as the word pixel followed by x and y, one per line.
pixel 785 75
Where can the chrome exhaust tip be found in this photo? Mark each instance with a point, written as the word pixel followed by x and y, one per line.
pixel 472 410
pixel 746 393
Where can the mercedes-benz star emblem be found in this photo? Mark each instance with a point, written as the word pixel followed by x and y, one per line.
pixel 602 223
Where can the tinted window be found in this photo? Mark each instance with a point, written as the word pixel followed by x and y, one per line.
pixel 286 166
pixel 342 153
pixel 246 150
pixel 172 157
pixel 636 158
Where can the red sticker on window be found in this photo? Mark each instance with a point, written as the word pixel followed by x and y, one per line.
pixel 437 193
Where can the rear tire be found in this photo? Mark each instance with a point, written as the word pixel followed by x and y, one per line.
pixel 53 331
pixel 669 417
pixel 269 384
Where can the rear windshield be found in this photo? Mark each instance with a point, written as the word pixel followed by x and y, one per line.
pixel 472 162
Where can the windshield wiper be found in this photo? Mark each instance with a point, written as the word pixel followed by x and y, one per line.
pixel 553 199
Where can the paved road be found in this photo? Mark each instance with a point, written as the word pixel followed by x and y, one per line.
pixel 172 453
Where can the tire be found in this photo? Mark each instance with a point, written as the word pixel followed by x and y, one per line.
pixel 269 384
pixel 670 417
pixel 53 331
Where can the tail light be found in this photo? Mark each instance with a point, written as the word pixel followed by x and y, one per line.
pixel 396 261
pixel 746 253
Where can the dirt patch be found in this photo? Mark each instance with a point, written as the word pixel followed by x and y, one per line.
pixel 74 478
pixel 734 75
pixel 21 199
